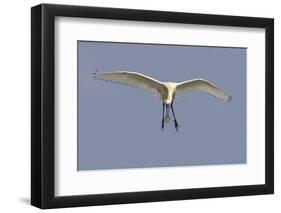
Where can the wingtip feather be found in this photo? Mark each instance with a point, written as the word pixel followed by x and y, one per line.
pixel 229 98
pixel 95 73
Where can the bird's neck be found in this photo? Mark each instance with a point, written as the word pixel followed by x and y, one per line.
pixel 169 98
pixel 171 87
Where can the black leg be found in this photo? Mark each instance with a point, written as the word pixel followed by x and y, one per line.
pixel 175 120
pixel 163 116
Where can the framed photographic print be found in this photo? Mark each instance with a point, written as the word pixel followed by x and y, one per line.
pixel 139 106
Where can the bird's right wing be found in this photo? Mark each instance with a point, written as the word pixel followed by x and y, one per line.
pixel 133 79
pixel 202 86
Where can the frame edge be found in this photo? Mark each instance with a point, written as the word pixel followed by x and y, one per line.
pixel 36 49
pixel 269 108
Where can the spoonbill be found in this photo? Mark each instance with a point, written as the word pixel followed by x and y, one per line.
pixel 166 91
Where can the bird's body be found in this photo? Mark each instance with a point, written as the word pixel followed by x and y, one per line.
pixel 166 91
pixel 171 92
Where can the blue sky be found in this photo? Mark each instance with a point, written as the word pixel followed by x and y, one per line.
pixel 120 127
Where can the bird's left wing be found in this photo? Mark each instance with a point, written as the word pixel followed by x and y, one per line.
pixel 202 86
pixel 133 79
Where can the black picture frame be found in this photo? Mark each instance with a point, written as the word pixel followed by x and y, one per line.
pixel 43 111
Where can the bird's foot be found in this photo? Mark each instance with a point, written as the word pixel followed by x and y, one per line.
pixel 162 127
pixel 176 125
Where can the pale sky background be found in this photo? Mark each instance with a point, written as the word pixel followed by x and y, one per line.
pixel 120 126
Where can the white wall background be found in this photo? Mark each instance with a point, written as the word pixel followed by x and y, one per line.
pixel 15 105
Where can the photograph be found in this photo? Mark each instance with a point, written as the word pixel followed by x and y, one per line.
pixel 140 106
pixel 160 105
pixel 132 105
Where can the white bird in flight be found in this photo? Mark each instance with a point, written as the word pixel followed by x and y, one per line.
pixel 166 91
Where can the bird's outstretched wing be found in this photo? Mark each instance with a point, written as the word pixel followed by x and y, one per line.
pixel 202 86
pixel 133 79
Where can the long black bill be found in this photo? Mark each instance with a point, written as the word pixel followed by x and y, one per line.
pixel 167 117
pixel 175 120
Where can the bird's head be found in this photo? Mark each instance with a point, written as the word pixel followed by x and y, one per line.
pixel 167 119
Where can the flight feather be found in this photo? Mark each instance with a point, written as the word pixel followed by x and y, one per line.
pixel 202 85
pixel 133 79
